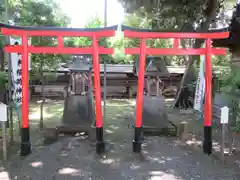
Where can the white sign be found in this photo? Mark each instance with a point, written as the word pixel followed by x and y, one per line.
pixel 16 56
pixel 3 112
pixel 16 61
pixel 200 86
pixel 224 115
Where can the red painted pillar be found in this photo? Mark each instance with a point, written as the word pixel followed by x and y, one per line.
pixel 139 105
pixel 25 134
pixel 176 43
pixel 207 144
pixel 100 146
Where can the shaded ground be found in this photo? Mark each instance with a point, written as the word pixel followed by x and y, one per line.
pixel 195 135
pixel 73 157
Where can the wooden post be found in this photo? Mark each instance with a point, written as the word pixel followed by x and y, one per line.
pixel 224 122
pixel 183 130
pixel 3 119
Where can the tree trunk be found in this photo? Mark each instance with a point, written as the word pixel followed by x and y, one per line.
pixel 41 124
pixel 210 15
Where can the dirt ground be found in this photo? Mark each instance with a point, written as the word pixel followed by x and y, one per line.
pixel 70 158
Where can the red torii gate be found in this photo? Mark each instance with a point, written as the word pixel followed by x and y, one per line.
pixel 95 50
pixel 60 33
pixel 208 51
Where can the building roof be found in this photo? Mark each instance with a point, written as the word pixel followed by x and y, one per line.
pixel 84 63
pixel 80 64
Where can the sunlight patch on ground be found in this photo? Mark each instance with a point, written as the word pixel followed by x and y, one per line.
pixel 119 105
pixel 109 131
pixel 193 142
pixel 169 100
pixel 133 102
pixel 4 175
pixel 68 171
pixel 113 127
pixel 110 161
pixel 156 175
pixel 37 164
pixel 53 110
pixel 134 167
pixel 156 159
pixel 36 115
pixel 49 111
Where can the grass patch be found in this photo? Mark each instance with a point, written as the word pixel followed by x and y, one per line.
pixel 53 110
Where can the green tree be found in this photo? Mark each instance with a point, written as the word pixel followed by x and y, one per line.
pixel 93 22
pixel 181 15
pixel 2 40
pixel 39 13
pixel 136 20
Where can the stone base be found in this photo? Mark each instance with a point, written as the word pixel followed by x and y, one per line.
pixel 154 113
pixel 78 111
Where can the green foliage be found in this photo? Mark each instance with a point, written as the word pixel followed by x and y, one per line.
pixel 236 127
pixel 142 19
pixel 230 83
pixel 2 40
pixel 117 43
pixel 235 116
pixel 171 15
pixel 42 13
pixel 221 60
pixel 3 78
pixel 48 77
pixel 230 80
pixel 38 13
pixel 93 22
pixel 2 10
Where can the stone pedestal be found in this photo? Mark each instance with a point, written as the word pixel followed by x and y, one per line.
pixel 154 113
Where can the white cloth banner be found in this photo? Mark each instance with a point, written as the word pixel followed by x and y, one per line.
pixel 200 86
pixel 16 62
